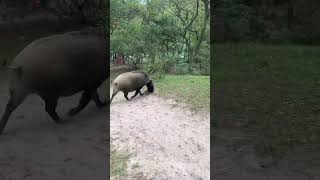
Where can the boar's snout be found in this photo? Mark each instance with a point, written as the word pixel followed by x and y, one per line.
pixel 150 86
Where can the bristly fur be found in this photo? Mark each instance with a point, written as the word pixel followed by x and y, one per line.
pixel 150 86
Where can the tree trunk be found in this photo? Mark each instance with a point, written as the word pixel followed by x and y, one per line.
pixel 197 46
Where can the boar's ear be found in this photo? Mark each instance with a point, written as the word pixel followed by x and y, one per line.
pixel 17 70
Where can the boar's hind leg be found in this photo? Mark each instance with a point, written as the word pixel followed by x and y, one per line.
pixel 84 101
pixel 113 95
pixel 51 104
pixel 96 99
pixel 126 95
pixel 13 103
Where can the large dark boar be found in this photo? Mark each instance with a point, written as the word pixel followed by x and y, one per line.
pixel 58 66
pixel 131 81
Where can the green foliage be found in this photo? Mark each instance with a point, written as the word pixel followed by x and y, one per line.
pixel 204 56
pixel 158 34
pixel 156 68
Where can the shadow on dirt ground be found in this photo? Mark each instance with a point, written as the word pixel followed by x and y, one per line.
pixel 34 147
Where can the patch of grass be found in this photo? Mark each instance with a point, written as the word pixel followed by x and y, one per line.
pixel 270 90
pixel 118 162
pixel 193 90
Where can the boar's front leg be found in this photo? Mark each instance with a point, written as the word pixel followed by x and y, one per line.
pixel 84 101
pixel 96 99
pixel 138 91
pixel 50 106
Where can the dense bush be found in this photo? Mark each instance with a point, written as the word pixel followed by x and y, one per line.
pixel 159 36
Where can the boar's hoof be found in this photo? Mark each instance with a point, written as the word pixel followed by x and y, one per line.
pixel 101 104
pixel 141 94
pixel 73 112
pixel 59 121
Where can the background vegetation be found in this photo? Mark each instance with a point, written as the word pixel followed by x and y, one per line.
pixel 276 21
pixel 162 35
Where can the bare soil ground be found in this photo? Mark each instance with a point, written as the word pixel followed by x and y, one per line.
pixel 168 141
pixel 36 148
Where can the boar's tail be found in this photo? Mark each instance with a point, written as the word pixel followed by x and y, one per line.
pixel 150 86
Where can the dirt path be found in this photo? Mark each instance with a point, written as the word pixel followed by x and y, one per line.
pixel 168 140
pixel 36 148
